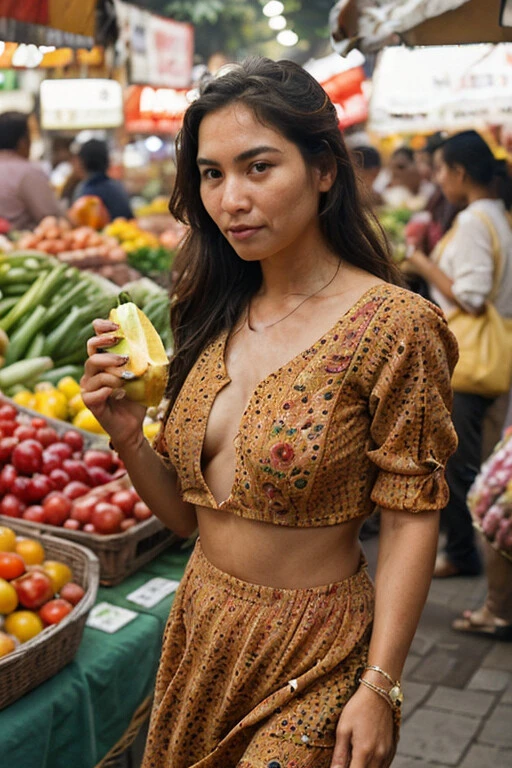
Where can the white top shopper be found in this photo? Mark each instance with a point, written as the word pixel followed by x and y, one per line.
pixel 467 259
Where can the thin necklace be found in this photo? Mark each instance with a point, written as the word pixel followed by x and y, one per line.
pixel 311 295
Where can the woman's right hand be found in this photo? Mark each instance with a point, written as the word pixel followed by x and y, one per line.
pixel 102 390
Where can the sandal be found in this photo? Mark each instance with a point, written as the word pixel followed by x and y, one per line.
pixel 445 569
pixel 492 627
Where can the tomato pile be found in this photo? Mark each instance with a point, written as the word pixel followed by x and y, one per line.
pixel 34 592
pixel 42 474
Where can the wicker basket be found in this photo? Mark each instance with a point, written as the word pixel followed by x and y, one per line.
pixel 46 654
pixel 119 554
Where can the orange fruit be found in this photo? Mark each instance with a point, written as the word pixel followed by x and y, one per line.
pixel 23 624
pixel 7 539
pixel 31 551
pixel 59 573
pixel 7 644
pixel 8 597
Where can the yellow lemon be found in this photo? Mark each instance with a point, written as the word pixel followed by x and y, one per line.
pixel 69 387
pixel 85 419
pixel 52 403
pixel 76 404
pixel 25 398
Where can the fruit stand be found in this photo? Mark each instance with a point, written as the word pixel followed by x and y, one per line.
pixel 77 717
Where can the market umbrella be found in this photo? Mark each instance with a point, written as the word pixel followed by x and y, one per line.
pixel 373 24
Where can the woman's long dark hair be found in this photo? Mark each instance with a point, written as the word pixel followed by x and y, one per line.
pixel 469 150
pixel 213 284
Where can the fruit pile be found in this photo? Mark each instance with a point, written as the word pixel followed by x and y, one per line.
pixel 57 237
pixel 34 592
pixel 490 497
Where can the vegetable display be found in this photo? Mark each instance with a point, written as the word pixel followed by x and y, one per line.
pixel 56 237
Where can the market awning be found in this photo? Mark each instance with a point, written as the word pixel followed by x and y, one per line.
pixel 372 24
pixel 59 23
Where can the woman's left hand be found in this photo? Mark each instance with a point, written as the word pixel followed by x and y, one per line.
pixel 365 733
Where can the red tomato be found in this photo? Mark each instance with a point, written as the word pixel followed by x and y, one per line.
pixel 141 511
pixel 54 611
pixel 39 486
pixel 7 427
pixel 128 523
pixel 33 589
pixel 7 477
pixel 107 518
pixel 7 445
pixel 25 432
pixel 60 449
pixel 103 459
pixel 12 565
pixel 71 525
pixel 56 508
pixel 59 478
pixel 99 476
pixel 27 457
pixel 47 436
pixel 38 423
pixel 124 500
pixel 82 510
pixel 77 470
pixel 20 488
pixel 72 592
pixel 34 513
pixel 11 506
pixel 74 440
pixel 75 489
pixel 89 528
pixel 50 462
pixel 8 412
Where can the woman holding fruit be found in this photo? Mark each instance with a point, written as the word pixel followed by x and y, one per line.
pixel 306 389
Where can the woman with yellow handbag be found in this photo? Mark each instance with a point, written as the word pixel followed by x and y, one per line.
pixel 470 277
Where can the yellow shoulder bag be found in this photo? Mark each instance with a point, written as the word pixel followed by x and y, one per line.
pixel 485 341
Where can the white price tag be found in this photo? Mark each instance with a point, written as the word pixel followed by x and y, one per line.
pixel 152 592
pixel 109 618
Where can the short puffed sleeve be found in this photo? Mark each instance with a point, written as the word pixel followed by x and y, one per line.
pixel 412 435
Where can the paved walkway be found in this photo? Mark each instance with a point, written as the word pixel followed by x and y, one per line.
pixel 457 687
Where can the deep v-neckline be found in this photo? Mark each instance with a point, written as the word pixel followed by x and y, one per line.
pixel 224 379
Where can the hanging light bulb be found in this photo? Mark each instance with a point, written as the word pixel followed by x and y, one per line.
pixel 273 8
pixel 288 38
pixel 277 22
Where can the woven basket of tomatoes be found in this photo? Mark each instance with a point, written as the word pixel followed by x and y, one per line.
pixel 47 588
pixel 54 480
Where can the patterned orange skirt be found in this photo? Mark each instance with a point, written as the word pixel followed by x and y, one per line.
pixel 256 677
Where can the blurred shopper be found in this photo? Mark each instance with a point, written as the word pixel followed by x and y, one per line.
pixel 95 161
pixel 407 188
pixel 461 274
pixel 26 196
pixel 368 164
pixel 487 496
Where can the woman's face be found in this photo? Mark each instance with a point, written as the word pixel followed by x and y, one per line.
pixel 450 179
pixel 256 186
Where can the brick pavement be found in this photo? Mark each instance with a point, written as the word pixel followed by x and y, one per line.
pixel 457 687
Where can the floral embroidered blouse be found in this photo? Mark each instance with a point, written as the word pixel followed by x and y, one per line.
pixel 360 419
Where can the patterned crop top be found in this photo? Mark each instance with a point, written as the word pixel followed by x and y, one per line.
pixel 358 420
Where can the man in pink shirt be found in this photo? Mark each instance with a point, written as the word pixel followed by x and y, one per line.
pixel 25 193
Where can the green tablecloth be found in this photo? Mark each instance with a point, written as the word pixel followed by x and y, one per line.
pixel 76 717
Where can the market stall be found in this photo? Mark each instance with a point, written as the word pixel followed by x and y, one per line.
pixel 370 26
pixel 80 715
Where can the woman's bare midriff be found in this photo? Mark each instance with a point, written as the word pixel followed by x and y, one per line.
pixel 276 555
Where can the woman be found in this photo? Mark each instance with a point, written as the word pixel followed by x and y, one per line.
pixel 460 273
pixel 305 389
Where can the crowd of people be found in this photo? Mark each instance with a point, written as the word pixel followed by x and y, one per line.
pixel 461 258
pixel 26 192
